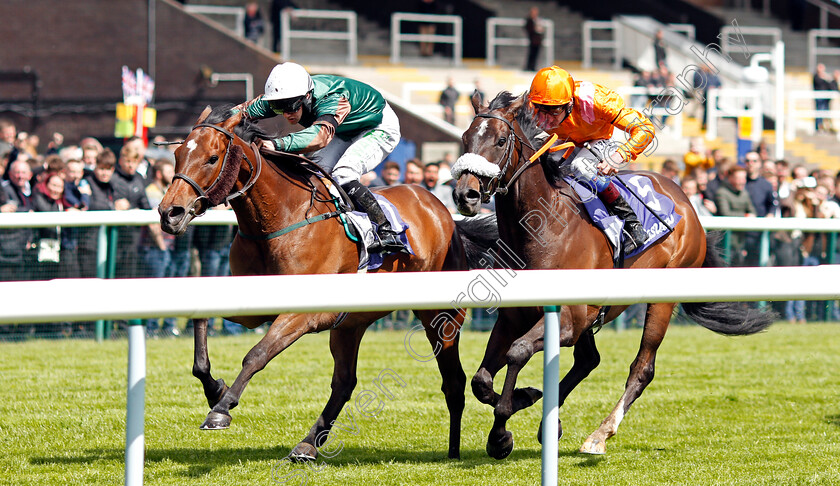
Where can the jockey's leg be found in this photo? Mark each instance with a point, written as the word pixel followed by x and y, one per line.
pixel 365 201
pixel 366 151
pixel 584 168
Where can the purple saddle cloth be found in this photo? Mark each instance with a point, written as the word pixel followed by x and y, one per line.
pixel 612 225
pixel 374 260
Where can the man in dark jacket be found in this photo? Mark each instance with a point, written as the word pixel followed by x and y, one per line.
pixel 15 243
pixel 129 193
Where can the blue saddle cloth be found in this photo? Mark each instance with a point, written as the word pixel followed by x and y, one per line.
pixel 612 225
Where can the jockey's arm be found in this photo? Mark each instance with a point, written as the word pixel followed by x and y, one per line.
pixel 330 112
pixel 640 133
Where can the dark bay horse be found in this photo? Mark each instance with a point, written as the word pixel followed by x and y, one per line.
pixel 503 135
pixel 217 163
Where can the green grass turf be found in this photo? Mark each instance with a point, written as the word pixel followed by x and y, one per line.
pixel 760 410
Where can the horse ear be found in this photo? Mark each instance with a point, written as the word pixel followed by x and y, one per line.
pixel 233 120
pixel 476 103
pixel 204 114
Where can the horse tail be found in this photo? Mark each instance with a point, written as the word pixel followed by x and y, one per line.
pixel 731 318
pixel 478 234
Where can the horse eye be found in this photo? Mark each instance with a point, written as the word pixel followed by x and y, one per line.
pixel 501 142
pixel 213 159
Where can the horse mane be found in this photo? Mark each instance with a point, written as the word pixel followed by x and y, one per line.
pixel 247 130
pixel 523 116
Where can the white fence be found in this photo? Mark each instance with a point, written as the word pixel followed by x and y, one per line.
pixel 732 102
pixel 398 37
pixel 495 39
pixel 236 24
pixel 639 97
pixel 801 107
pixel 257 295
pixel 824 37
pixel 750 36
pixel 349 34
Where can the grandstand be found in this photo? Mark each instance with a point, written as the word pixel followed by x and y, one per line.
pixel 75 76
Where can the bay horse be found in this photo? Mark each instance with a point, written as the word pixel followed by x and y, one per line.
pixel 219 162
pixel 504 135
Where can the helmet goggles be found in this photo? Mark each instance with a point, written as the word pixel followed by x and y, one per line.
pixel 288 105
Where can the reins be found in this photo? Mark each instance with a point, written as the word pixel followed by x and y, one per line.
pixel 254 172
pixel 495 186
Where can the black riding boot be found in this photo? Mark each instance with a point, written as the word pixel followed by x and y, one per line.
pixel 634 232
pixel 388 239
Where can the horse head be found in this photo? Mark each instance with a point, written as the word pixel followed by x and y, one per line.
pixel 495 146
pixel 207 167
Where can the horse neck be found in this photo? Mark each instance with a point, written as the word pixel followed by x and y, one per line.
pixel 533 198
pixel 277 199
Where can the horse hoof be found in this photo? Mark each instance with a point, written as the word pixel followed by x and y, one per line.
pixel 303 452
pixel 216 421
pixel 594 446
pixel 559 431
pixel 502 447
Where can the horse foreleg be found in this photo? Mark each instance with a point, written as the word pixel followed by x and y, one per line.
pixel 444 340
pixel 344 346
pixel 500 440
pixel 285 330
pixel 502 336
pixel 213 389
pixel 586 359
pixel 641 374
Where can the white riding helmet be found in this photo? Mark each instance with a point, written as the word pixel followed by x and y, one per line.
pixel 287 80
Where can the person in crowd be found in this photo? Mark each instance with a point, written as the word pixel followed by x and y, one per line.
pixel 660 52
pixel 448 99
pixel 130 187
pixel 705 80
pixel 91 148
pixel 8 135
pixel 698 156
pixel 15 244
pixel 765 201
pixel 349 129
pixel 701 178
pixel 48 195
pixel 157 247
pixel 277 8
pixel 535 31
pixel 101 199
pixel 689 187
pixel 427 7
pixel 253 23
pixel 431 181
pixel 671 170
pixel 391 173
pixel 822 82
pixel 732 199
pixel 413 172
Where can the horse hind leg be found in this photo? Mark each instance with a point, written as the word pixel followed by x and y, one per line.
pixel 641 374
pixel 444 337
pixel 213 389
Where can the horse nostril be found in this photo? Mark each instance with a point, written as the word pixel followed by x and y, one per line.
pixel 472 195
pixel 175 214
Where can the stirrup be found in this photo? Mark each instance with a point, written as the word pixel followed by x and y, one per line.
pixel 387 242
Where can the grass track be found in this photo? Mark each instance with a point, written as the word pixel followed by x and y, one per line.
pixel 761 410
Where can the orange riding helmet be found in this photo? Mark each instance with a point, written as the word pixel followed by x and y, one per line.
pixel 552 86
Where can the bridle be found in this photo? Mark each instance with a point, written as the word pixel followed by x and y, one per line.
pixel 494 185
pixel 254 173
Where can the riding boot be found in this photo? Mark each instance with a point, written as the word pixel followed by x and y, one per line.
pixel 617 205
pixel 363 199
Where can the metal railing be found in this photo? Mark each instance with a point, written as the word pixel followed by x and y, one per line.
pixel 494 39
pixel 733 103
pixel 815 50
pixel 238 14
pixel 639 97
pixel 796 111
pixel 398 37
pixel 751 47
pixel 349 34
